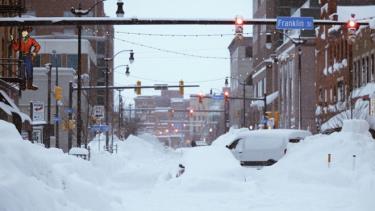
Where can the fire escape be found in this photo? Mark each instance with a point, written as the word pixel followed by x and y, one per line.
pixel 12 76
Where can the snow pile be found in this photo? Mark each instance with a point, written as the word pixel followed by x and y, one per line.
pixel 369 89
pixel 142 176
pixel 306 179
pixel 35 178
pixel 356 126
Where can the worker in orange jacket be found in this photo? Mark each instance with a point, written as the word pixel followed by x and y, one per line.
pixel 28 49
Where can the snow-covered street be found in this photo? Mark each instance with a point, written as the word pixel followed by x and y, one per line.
pixel 142 176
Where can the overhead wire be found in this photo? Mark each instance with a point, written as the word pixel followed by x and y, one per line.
pixel 179 35
pixel 171 51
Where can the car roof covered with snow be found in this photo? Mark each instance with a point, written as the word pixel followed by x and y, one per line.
pixel 276 133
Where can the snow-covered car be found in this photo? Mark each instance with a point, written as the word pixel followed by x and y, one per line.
pixel 264 147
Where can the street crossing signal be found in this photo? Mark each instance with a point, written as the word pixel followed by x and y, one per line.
pixel 138 88
pixel 58 93
pixel 181 88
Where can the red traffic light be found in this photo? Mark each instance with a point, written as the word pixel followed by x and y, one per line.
pixel 226 96
pixel 238 25
pixel 239 21
pixel 351 24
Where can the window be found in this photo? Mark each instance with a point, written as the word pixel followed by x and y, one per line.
pixel 321 95
pixel 340 91
pixel 331 95
pixel 72 61
pixel 249 52
pixel 264 86
pixel 368 77
pixel 325 95
pixel 100 47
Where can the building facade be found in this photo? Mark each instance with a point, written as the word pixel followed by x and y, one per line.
pixel 241 56
pixel 59 46
pixel 341 64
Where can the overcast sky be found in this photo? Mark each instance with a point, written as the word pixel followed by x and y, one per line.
pixel 154 67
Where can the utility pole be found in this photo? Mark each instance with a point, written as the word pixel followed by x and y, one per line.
pixel 57 115
pixel 120 113
pixel 299 87
pixel 107 103
pixel 48 134
pixel 244 105
pixel 70 114
pixel 78 13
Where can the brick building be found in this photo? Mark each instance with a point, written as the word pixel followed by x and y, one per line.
pixel 163 116
pixel 59 46
pixel 10 66
pixel 335 61
pixel 285 64
pixel 264 77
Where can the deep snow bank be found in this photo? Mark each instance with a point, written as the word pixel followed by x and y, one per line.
pixel 35 178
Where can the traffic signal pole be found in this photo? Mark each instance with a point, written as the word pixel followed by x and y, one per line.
pixel 64 21
pixel 70 114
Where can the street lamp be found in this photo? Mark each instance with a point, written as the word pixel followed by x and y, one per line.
pixel 243 84
pixel 78 13
pixel 297 42
pixel 127 69
pixel 107 60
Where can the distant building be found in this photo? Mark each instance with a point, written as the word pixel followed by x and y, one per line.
pixel 241 70
pixel 164 116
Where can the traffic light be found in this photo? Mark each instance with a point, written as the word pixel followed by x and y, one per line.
pixel 352 25
pixel 181 88
pixel 71 124
pixel 238 25
pixel 191 112
pixel 58 93
pixel 226 96
pixel 138 88
pixel 200 98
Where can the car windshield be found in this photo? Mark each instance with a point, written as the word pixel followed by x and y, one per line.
pixel 233 144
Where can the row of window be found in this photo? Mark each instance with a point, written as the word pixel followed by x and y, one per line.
pixel 59 60
pixel 334 94
pixel 363 70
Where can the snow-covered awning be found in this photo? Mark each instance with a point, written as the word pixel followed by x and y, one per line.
pixel 270 98
pixel 8 106
pixel 369 89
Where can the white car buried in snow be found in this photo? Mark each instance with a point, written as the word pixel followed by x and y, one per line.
pixel 264 147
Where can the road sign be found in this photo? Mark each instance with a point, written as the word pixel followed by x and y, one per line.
pixel 68 110
pixel 38 111
pixel 56 119
pixel 217 97
pixel 99 111
pixel 295 23
pixel 99 128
